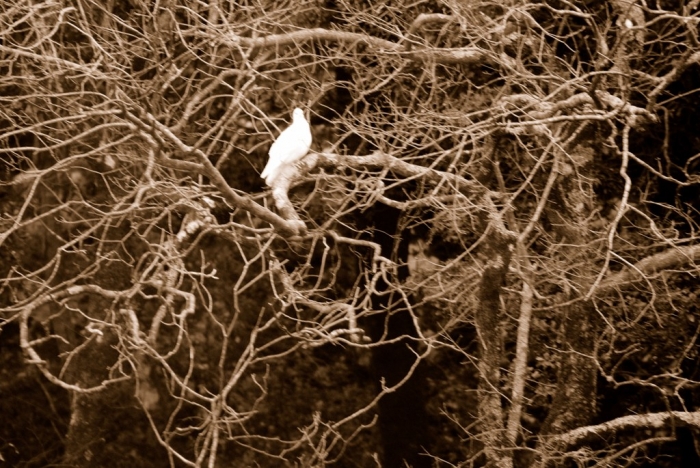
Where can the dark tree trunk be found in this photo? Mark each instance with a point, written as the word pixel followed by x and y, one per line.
pixel 574 401
pixel 402 414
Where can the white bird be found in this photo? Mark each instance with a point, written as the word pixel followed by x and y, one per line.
pixel 292 145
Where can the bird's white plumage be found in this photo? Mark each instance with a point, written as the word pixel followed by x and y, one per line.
pixel 292 145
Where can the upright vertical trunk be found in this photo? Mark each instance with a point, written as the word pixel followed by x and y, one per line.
pixel 93 415
pixel 489 326
pixel 402 413
pixel 574 400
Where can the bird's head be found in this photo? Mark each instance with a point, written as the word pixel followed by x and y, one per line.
pixel 298 115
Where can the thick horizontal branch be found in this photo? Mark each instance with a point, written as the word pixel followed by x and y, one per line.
pixel 438 55
pixel 541 110
pixel 670 259
pixel 380 161
pixel 635 421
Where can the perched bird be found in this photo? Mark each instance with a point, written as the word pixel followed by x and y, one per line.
pixel 292 145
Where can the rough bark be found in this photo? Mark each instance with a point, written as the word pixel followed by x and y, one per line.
pixel 489 322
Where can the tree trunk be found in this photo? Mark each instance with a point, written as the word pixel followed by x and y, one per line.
pixel 489 323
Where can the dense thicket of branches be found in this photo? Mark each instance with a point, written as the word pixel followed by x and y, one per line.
pixel 488 258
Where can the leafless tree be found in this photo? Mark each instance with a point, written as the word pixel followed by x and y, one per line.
pixel 530 142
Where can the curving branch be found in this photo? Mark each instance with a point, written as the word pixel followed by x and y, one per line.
pixel 28 344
